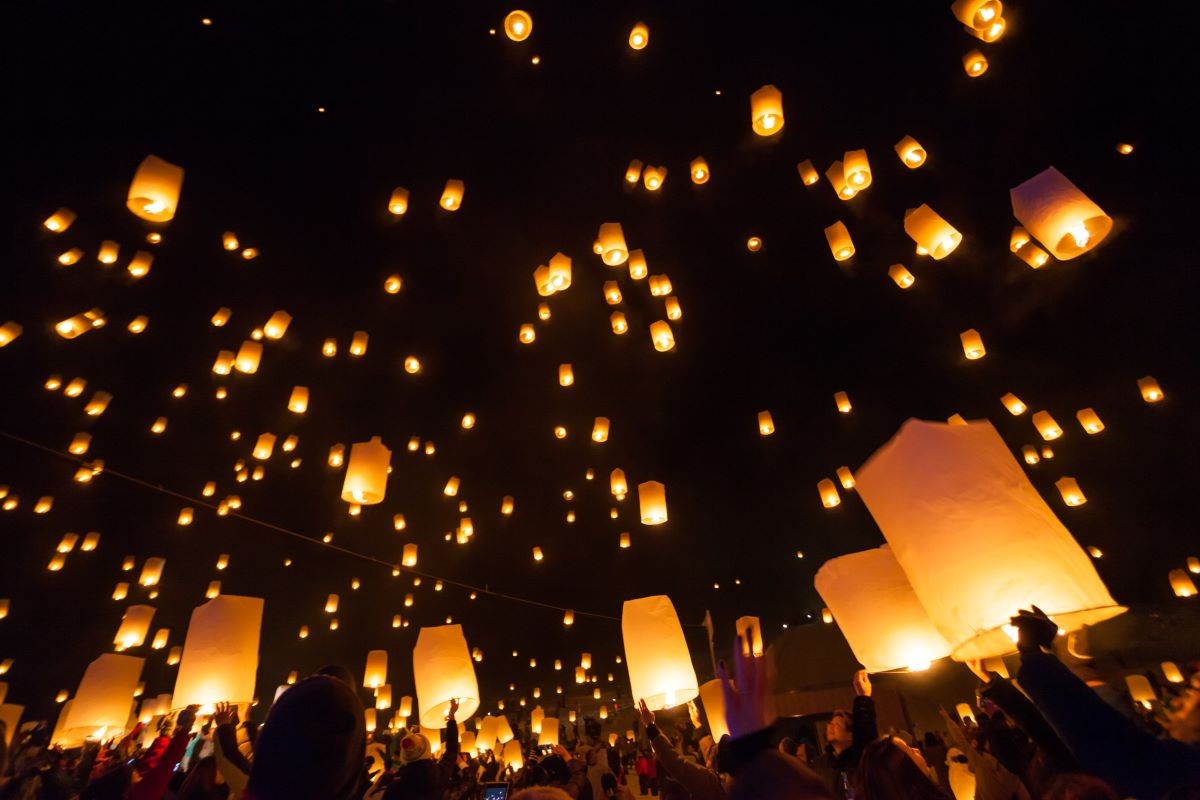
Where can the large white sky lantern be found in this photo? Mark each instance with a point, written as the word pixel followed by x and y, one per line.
pixel 105 693
pixel 1062 218
pixel 656 653
pixel 878 612
pixel 220 653
pixel 442 670
pixel 974 537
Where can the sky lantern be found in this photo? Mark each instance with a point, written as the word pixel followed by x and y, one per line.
pixel 358 343
pixel 1089 420
pixel 974 64
pixel 60 220
pixel 220 318
pixel 160 638
pixel 383 694
pixel 135 626
pixel 331 604
pixel 9 332
pixel 901 276
pixel 1072 495
pixel 912 155
pixel 376 669
pixel 828 493
pixel 1018 238
pixel 878 612
pixel 442 671
pixel 633 173
pixel 618 323
pixel 857 169
pixel 248 357
pixel 69 258
pixel 538 555
pixel 845 477
pixel 931 233
pixel 712 696
pixel 1181 583
pixel 637 265
pixel 1171 672
pixel 451 487
pixel 673 309
pixel 808 173
pixel 264 446
pixel 517 26
pixel 409 558
pixel 277 325
pixel 656 653
pixel 661 336
pixel 220 653
pixel 991 33
pixel 766 425
pixel 972 344
pixel 750 631
pixel 541 281
pixel 639 37
pixel 154 191
pixel 654 177
pixel 1046 425
pixel 974 537
pixel 652 501
pixel 452 195
pixel 526 334
pixel 367 472
pixel 660 285
pixel 1030 454
pixel 600 429
pixel 836 176
pixel 612 293
pixel 1033 255
pixel 103 697
pixel 977 14
pixel 1151 391
pixel 298 401
pixel 566 375
pixel 506 505
pixel 842 401
pixel 1013 404
pixel 152 571
pixel 617 483
pixel 839 241
pixel 766 111
pixel 699 170
pixel 398 202
pixel 393 283
pixel 560 272
pixel 1062 218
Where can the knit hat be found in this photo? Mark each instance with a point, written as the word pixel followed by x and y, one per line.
pixel 414 747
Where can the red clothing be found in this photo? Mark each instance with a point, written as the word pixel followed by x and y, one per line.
pixel 154 783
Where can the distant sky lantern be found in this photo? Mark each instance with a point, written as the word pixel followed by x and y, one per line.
pixel 264 446
pixel 673 309
pixel 541 281
pixel 560 272
pixel 839 241
pixel 977 14
pixel 637 265
pixel 1151 391
pixel 1171 672
pixel 1013 404
pixel 57 562
pixel 617 483
pixel 98 404
pixel 1090 420
pixel 392 284
pixel 90 541
pixel 412 365
pixel 337 455
pixel 75 388
pixel 160 639
pixel 600 429
pixel 152 571
pixel 75 326
pixel 9 331
pixel 618 323
pixel 837 179
pixel 121 591
pixel 60 220
pixel 298 401
pixel 652 502
pixel 991 33
pixel 842 400
pixel 857 169
pixel 845 477
pixel 537 554
pixel 660 285
pixel 1030 454
pixel 1017 238
pixel 639 37
pixel 452 195
pixel 1033 255
pixel 699 170
pixel 526 334
pixel 468 421
pixel 70 257
pixel 1059 215
pixel 248 357
pixel 186 516
pixel 331 604
pixel 329 348
pixel 1072 495
pixel 912 155
pixel 612 293
pixel 808 173
pixel 828 493
pixel 67 543
pixel 383 695
pixel 766 111
pixel 766 425
pixel 451 488
pixel 277 325
pixel 367 472
pixel 974 63
pixel 80 444
pixel 925 227
pixel 633 173
pixel 1046 425
pixel 972 344
pixel 398 202
pixel 518 25
pixel 654 177
pixel 656 652
pixel 135 626
pixel 154 191
pixel 566 375
pixel 901 276
pixel 43 505
pixel 358 343
pixel 543 311
pixel 1181 583
pixel 375 673
pixel 754 244
pixel 661 336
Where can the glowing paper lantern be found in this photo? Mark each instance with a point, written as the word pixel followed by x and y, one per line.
pixel 58 222
pixel 653 177
pixel 845 477
pixel 443 670
pixel 1170 671
pixel 409 559
pixel 1193 564
pixel 910 151
pixel 376 670
pixel 1072 495
pixel 652 500
pixel 103 697
pixel 1013 404
pixel 656 653
pixel 1151 391
pixel 766 425
pixel 264 446
pixel 1090 420
pixel 857 169
pixel 517 26
pixel 248 357
pixel 633 173
pixel 398 202
pixel 358 343
pixel 639 37
pixel 976 14
pixel 878 612
pixel 712 696
pixel 839 241
pixel 154 191
pixel 662 336
pixel 902 277
pixel 612 243
pixel 548 735
pixel 152 571
pixel 931 233
pixel 699 170
pixel 1033 255
pixel 366 474
pixel 837 179
pixel 1046 426
pixel 808 173
pixel 828 493
pixel 160 638
pixel 974 537
pixel 220 653
pixel 1140 690
pixel 9 331
pixel 135 625
pixel 600 429
pixel 1061 217
pixel 972 344
pixel 975 64
pixel 766 111
pixel 842 400
pixel 750 629
pixel 1181 583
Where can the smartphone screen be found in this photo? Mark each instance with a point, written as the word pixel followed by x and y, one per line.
pixel 495 791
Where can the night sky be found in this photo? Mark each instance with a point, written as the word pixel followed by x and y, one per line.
pixel 415 94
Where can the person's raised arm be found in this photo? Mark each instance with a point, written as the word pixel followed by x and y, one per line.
pixel 154 782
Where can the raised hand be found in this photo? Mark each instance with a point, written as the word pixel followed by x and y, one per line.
pixel 746 705
pixel 1035 630
pixel 453 709
pixel 646 714
pixel 225 714
pixel 562 753
pixel 862 683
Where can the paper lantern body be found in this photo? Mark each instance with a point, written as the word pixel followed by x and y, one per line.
pixel 652 499
pixel 656 653
pixel 452 194
pixel 220 653
pixel 750 629
pixel 367 472
pixel 103 697
pixel 766 111
pixel 375 674
pixel 1058 215
pixel 857 169
pixel 135 625
pixel 910 152
pixel 612 244
pixel 700 171
pixel 829 493
pixel 932 233
pixel 1181 583
pixel 713 698
pixel 974 537
pixel 808 173
pixel 639 37
pixel 902 277
pixel 518 25
pixel 660 334
pixel 878 612
pixel 839 240
pixel 443 669
pixel 154 191
pixel 548 735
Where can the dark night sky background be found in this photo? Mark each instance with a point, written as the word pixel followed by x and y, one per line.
pixel 418 93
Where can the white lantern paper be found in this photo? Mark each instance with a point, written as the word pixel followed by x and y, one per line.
pixel 974 537
pixel 366 474
pixel 220 653
pixel 713 698
pixel 1062 218
pixel 375 674
pixel 103 697
pixel 135 625
pixel 442 670
pixel 656 653
pixel 878 612
pixel 10 715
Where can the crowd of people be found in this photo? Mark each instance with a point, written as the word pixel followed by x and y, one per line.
pixel 1053 737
